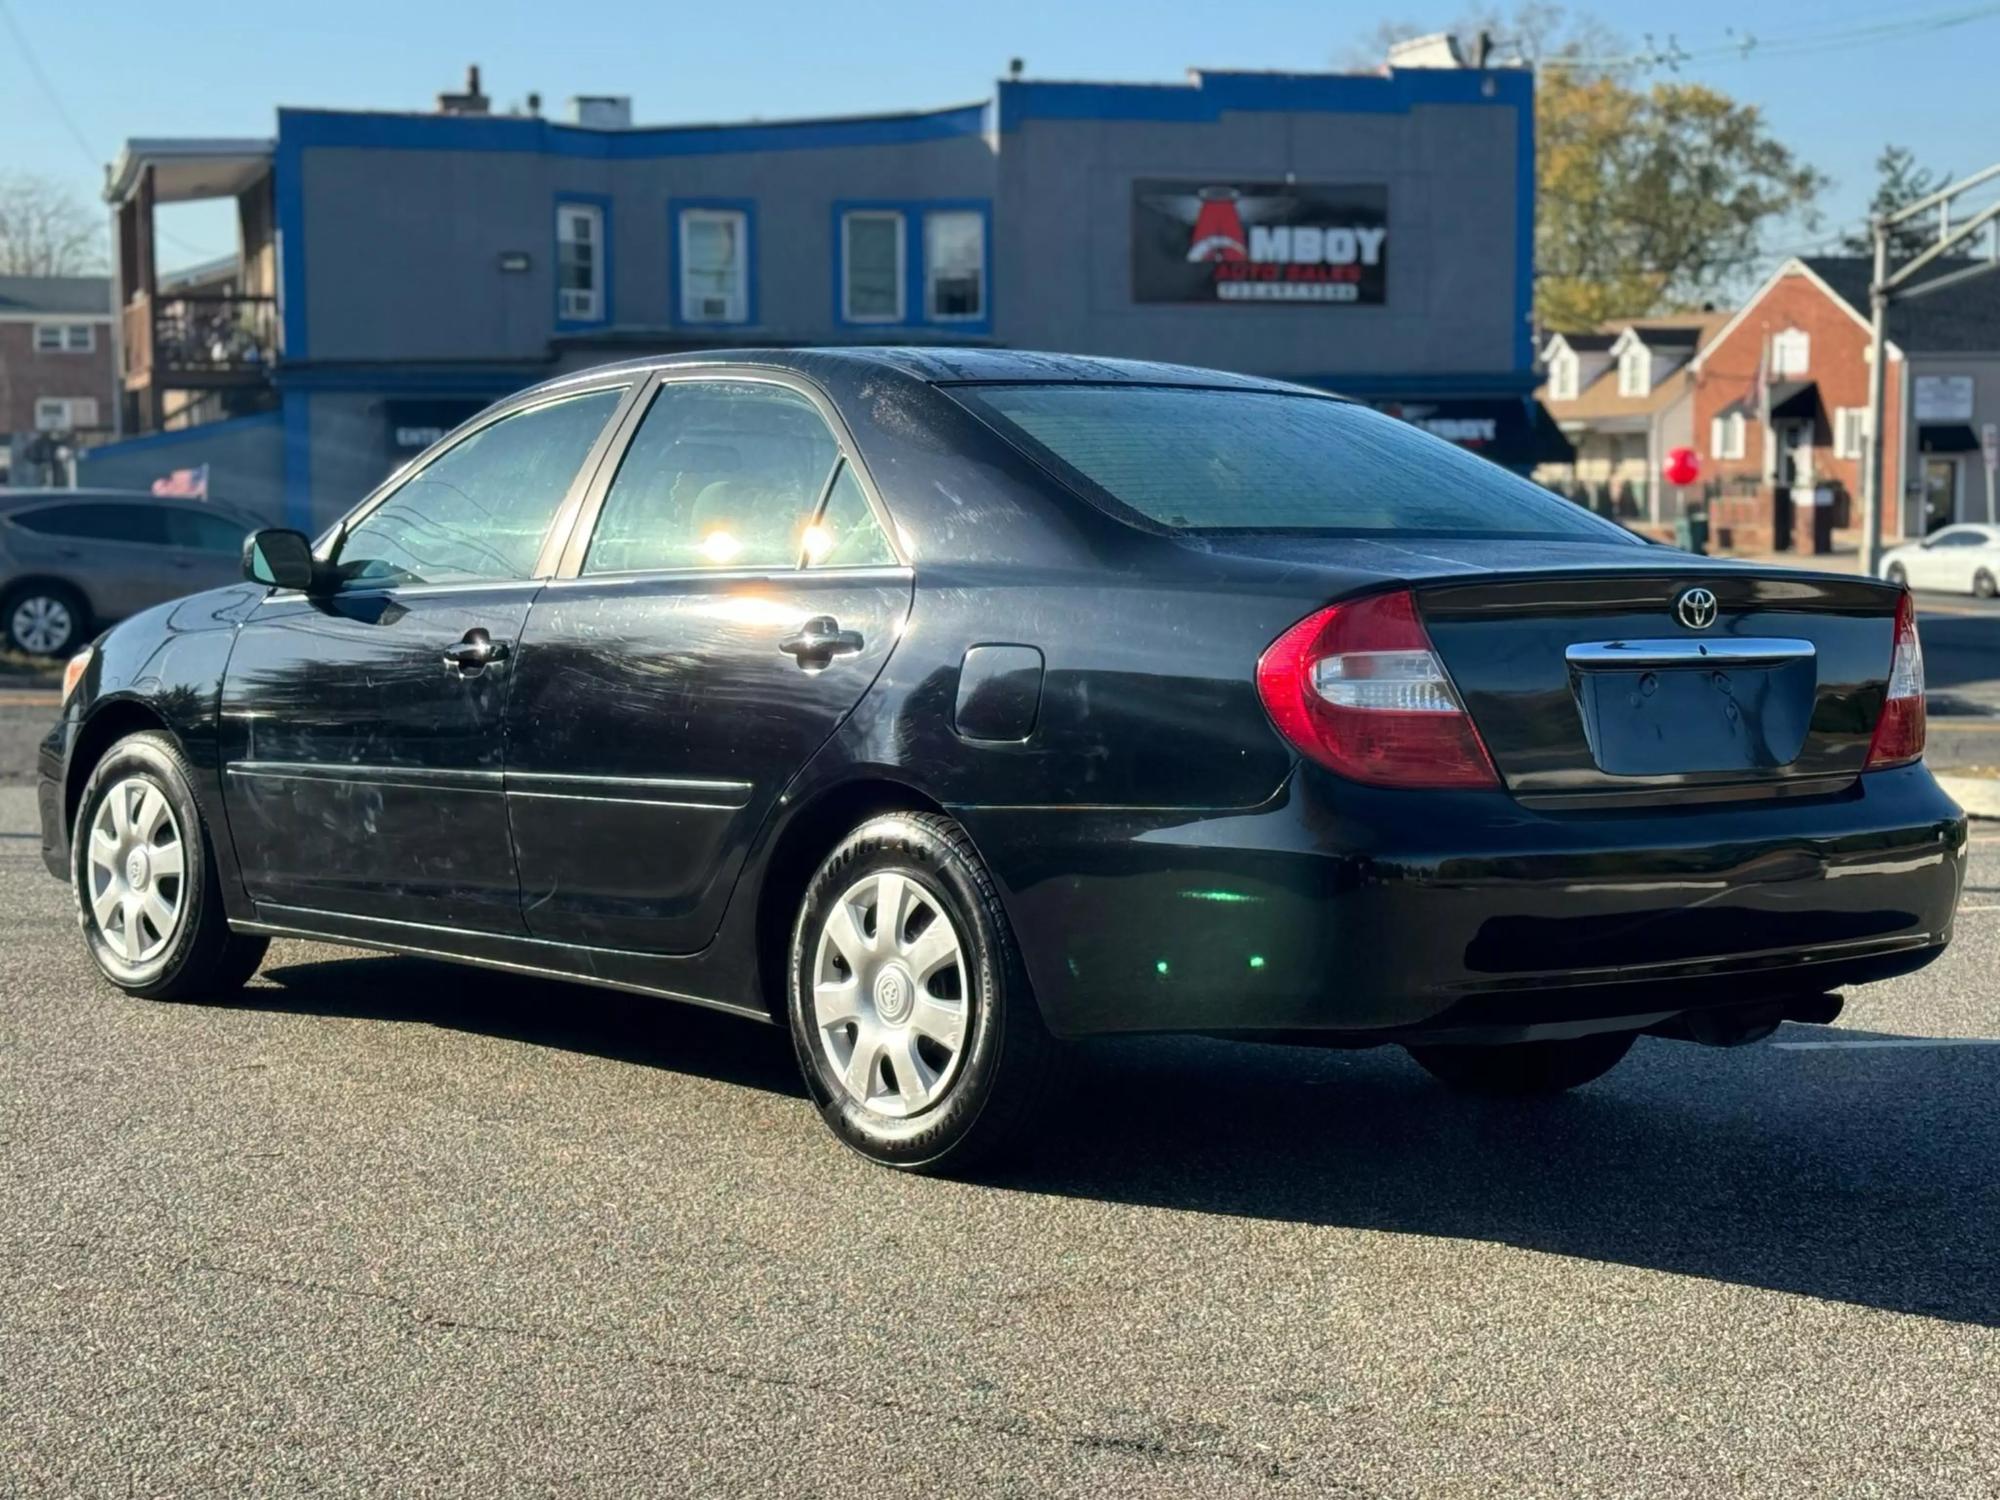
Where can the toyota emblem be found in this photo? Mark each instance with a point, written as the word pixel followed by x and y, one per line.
pixel 1696 609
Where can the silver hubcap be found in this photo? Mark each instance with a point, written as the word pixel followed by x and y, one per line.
pixel 137 872
pixel 890 995
pixel 42 625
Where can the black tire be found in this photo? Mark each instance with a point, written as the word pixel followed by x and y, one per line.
pixel 30 603
pixel 1523 1068
pixel 1983 586
pixel 1898 575
pixel 1006 1063
pixel 199 957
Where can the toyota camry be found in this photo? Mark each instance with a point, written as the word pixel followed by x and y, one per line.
pixel 942 706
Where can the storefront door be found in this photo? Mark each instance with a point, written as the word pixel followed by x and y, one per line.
pixel 1941 477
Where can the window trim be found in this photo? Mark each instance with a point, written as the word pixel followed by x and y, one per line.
pixel 1801 339
pixel 601 205
pixel 1635 356
pixel 1564 377
pixel 69 422
pixel 678 210
pixel 912 279
pixel 1850 421
pixel 1719 442
pixel 568 570
pixel 63 332
pixel 327 543
pixel 843 289
pixel 931 314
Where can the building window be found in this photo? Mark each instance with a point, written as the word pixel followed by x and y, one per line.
pixel 954 265
pixel 1562 378
pixel 1791 353
pixel 1635 371
pixel 580 291
pixel 1850 431
pixel 1725 435
pixel 65 338
pixel 65 413
pixel 715 265
pixel 871 246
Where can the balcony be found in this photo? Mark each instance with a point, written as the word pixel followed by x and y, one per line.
pixel 203 342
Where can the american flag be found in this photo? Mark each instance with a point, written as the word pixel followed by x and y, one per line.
pixel 184 484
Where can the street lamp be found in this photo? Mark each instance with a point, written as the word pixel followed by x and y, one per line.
pixel 1884 288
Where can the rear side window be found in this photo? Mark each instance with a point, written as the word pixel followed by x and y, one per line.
pixel 144 524
pixel 1226 461
pixel 720 474
pixel 479 510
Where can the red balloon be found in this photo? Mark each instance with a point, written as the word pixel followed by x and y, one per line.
pixel 1683 466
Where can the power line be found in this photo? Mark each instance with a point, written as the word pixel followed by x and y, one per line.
pixel 48 88
pixel 1669 54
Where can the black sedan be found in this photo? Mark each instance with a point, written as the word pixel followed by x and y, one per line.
pixel 941 705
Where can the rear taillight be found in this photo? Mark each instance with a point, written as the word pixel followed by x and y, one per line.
pixel 1899 733
pixel 1358 688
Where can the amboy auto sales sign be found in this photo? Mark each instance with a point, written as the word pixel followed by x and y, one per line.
pixel 1259 242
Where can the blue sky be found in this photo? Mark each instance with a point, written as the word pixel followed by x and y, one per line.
pixel 124 68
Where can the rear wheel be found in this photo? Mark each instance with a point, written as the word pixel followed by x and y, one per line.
pixel 142 866
pixel 1521 1068
pixel 910 1011
pixel 1983 584
pixel 44 619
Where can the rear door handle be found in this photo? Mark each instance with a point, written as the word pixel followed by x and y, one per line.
pixel 477 650
pixel 819 641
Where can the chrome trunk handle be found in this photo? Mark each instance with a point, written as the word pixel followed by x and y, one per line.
pixel 1681 652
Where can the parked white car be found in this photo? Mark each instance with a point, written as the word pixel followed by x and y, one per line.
pixel 1962 559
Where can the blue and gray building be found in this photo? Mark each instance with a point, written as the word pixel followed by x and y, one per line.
pixel 1369 233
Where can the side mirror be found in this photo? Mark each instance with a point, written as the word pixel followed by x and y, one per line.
pixel 282 559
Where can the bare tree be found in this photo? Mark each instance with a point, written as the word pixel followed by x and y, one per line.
pixel 46 230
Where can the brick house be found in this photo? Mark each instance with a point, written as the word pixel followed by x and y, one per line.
pixel 56 370
pixel 1781 400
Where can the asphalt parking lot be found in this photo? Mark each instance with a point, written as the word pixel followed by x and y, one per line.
pixel 385 1227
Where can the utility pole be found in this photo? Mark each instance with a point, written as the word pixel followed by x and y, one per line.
pixel 1885 287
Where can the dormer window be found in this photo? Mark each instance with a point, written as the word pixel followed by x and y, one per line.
pixel 1635 371
pixel 1563 377
pixel 1791 353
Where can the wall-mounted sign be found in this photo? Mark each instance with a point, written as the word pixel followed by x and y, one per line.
pixel 1260 242
pixel 515 261
pixel 1943 398
pixel 415 425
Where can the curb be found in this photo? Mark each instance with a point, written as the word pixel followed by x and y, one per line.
pixel 1978 795
pixel 30 698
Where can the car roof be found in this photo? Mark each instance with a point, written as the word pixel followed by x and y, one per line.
pixel 946 365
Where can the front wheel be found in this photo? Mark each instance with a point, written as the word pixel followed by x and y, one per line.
pixel 910 1010
pixel 1521 1068
pixel 142 866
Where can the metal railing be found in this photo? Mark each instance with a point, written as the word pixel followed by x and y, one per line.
pixel 193 336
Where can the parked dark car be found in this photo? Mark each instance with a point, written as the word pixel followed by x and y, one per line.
pixel 72 561
pixel 943 704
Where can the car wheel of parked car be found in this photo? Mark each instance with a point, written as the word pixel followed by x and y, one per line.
pixel 910 1009
pixel 1526 1067
pixel 1983 584
pixel 45 619
pixel 142 865
pixel 1897 575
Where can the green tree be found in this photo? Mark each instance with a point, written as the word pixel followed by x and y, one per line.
pixel 1899 182
pixel 1652 200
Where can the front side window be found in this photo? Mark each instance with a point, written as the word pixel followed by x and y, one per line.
pixel 580 296
pixel 954 265
pixel 872 266
pixel 720 474
pixel 1203 460
pixel 715 265
pixel 481 509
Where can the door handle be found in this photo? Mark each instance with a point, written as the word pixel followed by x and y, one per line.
pixel 819 641
pixel 477 650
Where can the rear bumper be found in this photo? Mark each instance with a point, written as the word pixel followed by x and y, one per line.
pixel 1376 916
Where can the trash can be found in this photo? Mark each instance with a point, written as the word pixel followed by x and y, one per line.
pixel 1691 531
pixel 1822 521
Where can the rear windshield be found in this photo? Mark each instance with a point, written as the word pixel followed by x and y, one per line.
pixel 1193 459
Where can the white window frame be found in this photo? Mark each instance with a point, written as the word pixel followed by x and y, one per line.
pixel 1726 435
pixel 931 313
pixel 738 309
pixel 65 413
pixel 566 212
pixel 69 338
pixel 1635 371
pixel 1850 431
pixel 902 222
pixel 1791 354
pixel 1563 377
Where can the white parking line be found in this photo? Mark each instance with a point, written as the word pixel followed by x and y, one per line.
pixel 1906 1041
